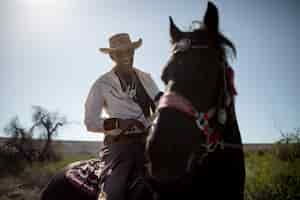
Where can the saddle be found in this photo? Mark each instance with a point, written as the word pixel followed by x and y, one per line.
pixel 88 176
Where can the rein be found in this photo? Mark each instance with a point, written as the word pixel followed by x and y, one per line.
pixel 213 137
pixel 180 103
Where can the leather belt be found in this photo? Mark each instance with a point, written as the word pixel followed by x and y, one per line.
pixel 126 138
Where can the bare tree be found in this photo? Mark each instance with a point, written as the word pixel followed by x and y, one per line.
pixel 290 137
pixel 45 125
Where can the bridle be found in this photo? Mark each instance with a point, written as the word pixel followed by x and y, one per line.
pixel 184 45
pixel 179 102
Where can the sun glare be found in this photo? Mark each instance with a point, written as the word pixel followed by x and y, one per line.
pixel 42 15
pixel 42 2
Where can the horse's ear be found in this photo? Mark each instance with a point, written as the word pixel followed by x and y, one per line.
pixel 175 32
pixel 211 18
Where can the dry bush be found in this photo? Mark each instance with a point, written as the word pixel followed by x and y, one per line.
pixel 288 147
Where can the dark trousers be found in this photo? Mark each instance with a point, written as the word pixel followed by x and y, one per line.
pixel 126 158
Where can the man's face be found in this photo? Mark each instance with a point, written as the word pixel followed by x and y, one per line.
pixel 123 57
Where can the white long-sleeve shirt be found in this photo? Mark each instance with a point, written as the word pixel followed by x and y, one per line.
pixel 106 99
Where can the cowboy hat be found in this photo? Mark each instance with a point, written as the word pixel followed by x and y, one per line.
pixel 120 41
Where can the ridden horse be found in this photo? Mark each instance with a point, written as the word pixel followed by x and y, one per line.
pixel 195 147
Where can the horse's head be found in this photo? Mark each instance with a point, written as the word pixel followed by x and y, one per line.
pixel 195 70
pixel 196 64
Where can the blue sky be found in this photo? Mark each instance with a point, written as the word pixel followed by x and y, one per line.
pixel 49 56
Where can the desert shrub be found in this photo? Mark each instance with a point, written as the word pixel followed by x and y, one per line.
pixel 30 180
pixel 287 152
pixel 288 147
pixel 10 163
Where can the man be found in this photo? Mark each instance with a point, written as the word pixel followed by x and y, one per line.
pixel 126 95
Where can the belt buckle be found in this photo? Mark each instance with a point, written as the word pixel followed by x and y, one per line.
pixel 132 131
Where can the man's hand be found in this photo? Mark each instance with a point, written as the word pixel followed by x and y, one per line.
pixel 126 124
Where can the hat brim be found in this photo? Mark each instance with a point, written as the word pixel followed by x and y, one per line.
pixel 134 45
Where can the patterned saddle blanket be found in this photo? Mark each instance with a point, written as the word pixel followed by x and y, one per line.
pixel 86 175
pixel 89 175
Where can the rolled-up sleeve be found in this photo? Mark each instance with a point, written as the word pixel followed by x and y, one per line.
pixel 93 109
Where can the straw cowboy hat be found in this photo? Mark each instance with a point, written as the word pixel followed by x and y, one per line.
pixel 120 41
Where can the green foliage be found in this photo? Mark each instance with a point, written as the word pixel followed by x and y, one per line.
pixel 276 174
pixel 268 177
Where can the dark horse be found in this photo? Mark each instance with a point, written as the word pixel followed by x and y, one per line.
pixel 195 148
